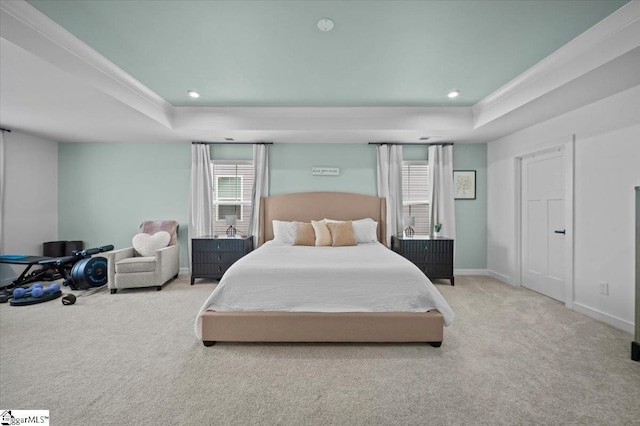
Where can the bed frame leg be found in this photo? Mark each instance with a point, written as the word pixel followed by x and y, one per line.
pixel 435 344
pixel 208 343
pixel 635 351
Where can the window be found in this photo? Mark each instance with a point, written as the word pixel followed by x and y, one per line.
pixel 415 194
pixel 232 188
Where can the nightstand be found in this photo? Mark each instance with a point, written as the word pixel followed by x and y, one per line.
pixel 212 256
pixel 433 255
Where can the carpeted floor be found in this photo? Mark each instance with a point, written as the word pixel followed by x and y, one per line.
pixel 511 357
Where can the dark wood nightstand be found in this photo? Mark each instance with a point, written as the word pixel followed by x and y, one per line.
pixel 433 255
pixel 212 256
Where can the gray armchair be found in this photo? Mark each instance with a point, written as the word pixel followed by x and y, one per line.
pixel 127 269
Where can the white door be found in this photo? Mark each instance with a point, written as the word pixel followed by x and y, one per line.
pixel 543 228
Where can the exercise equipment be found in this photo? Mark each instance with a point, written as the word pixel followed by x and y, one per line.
pixel 35 294
pixel 90 272
pixel 80 271
pixel 28 276
pixel 68 299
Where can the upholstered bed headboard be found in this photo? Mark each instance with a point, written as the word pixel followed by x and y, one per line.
pixel 308 206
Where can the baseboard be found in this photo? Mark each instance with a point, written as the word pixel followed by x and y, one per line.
pixel 500 277
pixel 184 271
pixel 470 272
pixel 614 322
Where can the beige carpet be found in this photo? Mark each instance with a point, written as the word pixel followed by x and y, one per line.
pixel 511 357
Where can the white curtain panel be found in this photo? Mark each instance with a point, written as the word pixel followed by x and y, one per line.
pixel 260 187
pixel 2 185
pixel 200 194
pixel 389 174
pixel 442 209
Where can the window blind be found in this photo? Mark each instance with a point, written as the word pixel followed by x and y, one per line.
pixel 232 188
pixel 415 194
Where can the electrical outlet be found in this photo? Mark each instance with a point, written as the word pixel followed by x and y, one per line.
pixel 604 288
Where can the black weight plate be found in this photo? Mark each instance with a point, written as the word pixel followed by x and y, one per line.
pixel 90 272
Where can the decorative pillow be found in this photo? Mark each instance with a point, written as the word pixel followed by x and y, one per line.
pixel 342 234
pixel 323 236
pixel 146 245
pixel 365 230
pixel 305 236
pixel 284 232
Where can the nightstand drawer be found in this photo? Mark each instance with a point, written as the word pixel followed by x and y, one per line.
pixel 215 244
pixel 210 270
pixel 216 256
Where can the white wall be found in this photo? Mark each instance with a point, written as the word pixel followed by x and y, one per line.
pixel 607 167
pixel 31 197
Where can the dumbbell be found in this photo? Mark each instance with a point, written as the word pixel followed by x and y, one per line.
pixel 35 290
pixel 5 295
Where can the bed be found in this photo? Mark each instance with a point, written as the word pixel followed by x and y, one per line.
pixel 281 293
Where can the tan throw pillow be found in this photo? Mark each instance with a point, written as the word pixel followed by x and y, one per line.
pixel 323 236
pixel 305 236
pixel 342 234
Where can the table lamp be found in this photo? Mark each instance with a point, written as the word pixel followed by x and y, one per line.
pixel 231 222
pixel 409 221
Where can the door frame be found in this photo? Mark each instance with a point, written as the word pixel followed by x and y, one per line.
pixel 566 145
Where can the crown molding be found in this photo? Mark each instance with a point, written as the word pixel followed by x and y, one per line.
pixel 28 28
pixel 612 37
pixel 424 119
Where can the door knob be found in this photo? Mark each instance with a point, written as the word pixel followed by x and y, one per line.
pixel 560 232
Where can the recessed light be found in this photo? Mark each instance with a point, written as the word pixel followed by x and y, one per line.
pixel 454 94
pixel 325 24
pixel 193 93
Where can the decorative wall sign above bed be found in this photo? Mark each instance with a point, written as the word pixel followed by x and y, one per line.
pixel 325 171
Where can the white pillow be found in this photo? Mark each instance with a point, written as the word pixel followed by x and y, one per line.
pixel 365 230
pixel 147 245
pixel 284 232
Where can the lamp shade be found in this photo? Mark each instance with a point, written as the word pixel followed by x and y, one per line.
pixel 409 221
pixel 231 219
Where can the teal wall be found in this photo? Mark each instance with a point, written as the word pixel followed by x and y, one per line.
pixel 290 166
pixel 471 215
pixel 106 190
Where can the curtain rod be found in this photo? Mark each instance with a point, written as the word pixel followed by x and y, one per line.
pixel 411 143
pixel 230 143
pixel 2 129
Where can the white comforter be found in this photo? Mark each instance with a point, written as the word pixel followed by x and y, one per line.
pixel 363 278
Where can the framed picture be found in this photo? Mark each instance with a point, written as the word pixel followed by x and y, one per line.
pixel 464 184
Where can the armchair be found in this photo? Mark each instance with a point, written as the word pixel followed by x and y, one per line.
pixel 128 269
